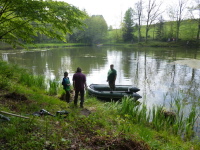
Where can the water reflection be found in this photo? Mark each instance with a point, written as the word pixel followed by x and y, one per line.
pixel 151 69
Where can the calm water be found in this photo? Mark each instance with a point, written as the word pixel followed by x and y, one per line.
pixel 151 69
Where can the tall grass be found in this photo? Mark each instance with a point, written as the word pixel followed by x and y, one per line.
pixel 190 121
pixel 11 74
pixel 53 87
pixel 32 80
pixel 38 81
pixel 158 118
pixel 6 72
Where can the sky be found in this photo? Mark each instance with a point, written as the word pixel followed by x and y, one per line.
pixel 112 10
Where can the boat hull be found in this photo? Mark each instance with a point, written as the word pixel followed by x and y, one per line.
pixel 102 91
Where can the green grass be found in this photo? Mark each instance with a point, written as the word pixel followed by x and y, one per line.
pixel 188 30
pixel 42 45
pixel 108 125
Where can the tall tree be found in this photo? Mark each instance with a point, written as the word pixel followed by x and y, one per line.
pixel 139 10
pixel 160 29
pixel 128 25
pixel 179 16
pixel 195 14
pixel 153 11
pixel 171 13
pixel 21 20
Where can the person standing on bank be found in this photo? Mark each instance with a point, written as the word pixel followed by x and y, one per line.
pixel 66 86
pixel 112 75
pixel 79 84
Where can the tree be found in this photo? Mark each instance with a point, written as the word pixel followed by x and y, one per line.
pixel 128 25
pixel 179 16
pixel 171 14
pixel 152 14
pixel 110 28
pixel 95 32
pixel 138 13
pixel 21 20
pixel 160 29
pixel 195 11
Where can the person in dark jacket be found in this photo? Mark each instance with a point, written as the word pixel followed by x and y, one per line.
pixel 66 86
pixel 79 84
pixel 112 75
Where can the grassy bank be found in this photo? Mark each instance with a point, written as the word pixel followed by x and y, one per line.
pixel 151 43
pixel 148 44
pixel 99 125
pixel 41 45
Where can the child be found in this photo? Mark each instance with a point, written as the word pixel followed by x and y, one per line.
pixel 66 86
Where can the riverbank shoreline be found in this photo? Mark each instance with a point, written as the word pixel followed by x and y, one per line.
pixel 56 45
pixel 41 45
pixel 98 125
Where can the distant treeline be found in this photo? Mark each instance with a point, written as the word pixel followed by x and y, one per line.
pixel 162 31
pixel 166 31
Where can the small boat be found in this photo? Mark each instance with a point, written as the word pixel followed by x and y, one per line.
pixel 102 91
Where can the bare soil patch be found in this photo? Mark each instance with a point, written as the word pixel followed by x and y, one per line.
pixel 16 96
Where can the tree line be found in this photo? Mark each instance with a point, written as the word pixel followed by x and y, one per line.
pixel 31 21
pixel 147 16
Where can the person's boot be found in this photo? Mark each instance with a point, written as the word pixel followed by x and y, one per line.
pixel 81 105
pixel 75 104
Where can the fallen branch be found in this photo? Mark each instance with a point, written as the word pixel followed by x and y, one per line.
pixel 14 114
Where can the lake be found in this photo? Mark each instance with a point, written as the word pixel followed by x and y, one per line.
pixel 162 74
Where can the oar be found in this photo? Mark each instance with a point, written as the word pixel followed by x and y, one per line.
pixel 118 91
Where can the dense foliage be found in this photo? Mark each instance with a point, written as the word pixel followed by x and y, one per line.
pixel 95 32
pixel 21 20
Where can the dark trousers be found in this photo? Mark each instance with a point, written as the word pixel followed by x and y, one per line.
pixel 82 93
pixel 112 85
pixel 67 96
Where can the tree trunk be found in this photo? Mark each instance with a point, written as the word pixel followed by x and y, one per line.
pixel 139 34
pixel 146 34
pixel 198 31
pixel 177 31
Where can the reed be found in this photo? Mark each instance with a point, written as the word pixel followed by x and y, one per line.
pixel 53 87
pixel 158 118
pixel 32 80
pixel 190 121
